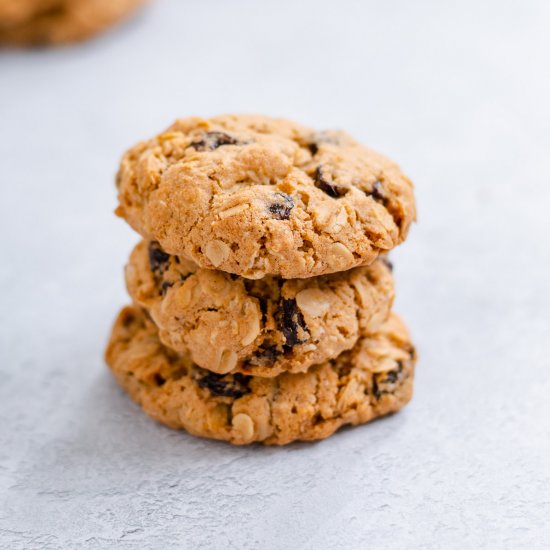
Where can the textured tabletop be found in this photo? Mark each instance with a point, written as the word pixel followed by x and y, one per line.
pixel 460 97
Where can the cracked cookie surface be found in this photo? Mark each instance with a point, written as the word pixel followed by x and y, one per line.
pixel 258 196
pixel 43 22
pixel 373 379
pixel 260 327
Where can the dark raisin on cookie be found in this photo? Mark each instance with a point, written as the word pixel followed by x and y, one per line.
pixel 281 207
pixel 394 375
pixel 165 286
pixel 158 259
pixel 387 262
pixel 313 148
pixel 320 138
pixel 159 379
pixel 265 356
pixel 375 388
pixel 380 382
pixel 391 377
pixel 330 188
pixel 128 319
pixel 223 385
pixel 291 321
pixel 378 193
pixel 213 140
pixel 263 305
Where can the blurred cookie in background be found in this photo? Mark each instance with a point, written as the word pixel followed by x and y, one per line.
pixel 50 22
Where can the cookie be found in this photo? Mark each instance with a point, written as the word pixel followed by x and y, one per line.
pixel 373 379
pixel 13 12
pixel 43 22
pixel 260 327
pixel 258 196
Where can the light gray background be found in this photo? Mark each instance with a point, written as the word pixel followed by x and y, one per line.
pixel 459 94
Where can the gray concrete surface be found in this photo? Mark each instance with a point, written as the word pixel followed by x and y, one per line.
pixel 459 94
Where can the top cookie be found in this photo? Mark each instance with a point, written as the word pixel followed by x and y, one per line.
pixel 258 196
pixel 43 22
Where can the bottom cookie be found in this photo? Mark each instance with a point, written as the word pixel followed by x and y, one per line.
pixel 373 379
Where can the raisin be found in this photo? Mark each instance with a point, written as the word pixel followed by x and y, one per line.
pixel 263 305
pixel 213 140
pixel 375 388
pixel 165 286
pixel 322 138
pixel 329 187
pixel 317 419
pixel 290 321
pixel 313 148
pixel 225 385
pixel 393 376
pixel 128 319
pixel 282 206
pixel 159 379
pixel 249 285
pixel 380 381
pixel 158 259
pixel 378 193
pixel 387 263
pixel 265 357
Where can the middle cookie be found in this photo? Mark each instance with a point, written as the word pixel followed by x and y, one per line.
pixel 259 327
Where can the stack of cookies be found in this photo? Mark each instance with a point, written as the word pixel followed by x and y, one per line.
pixel 261 292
